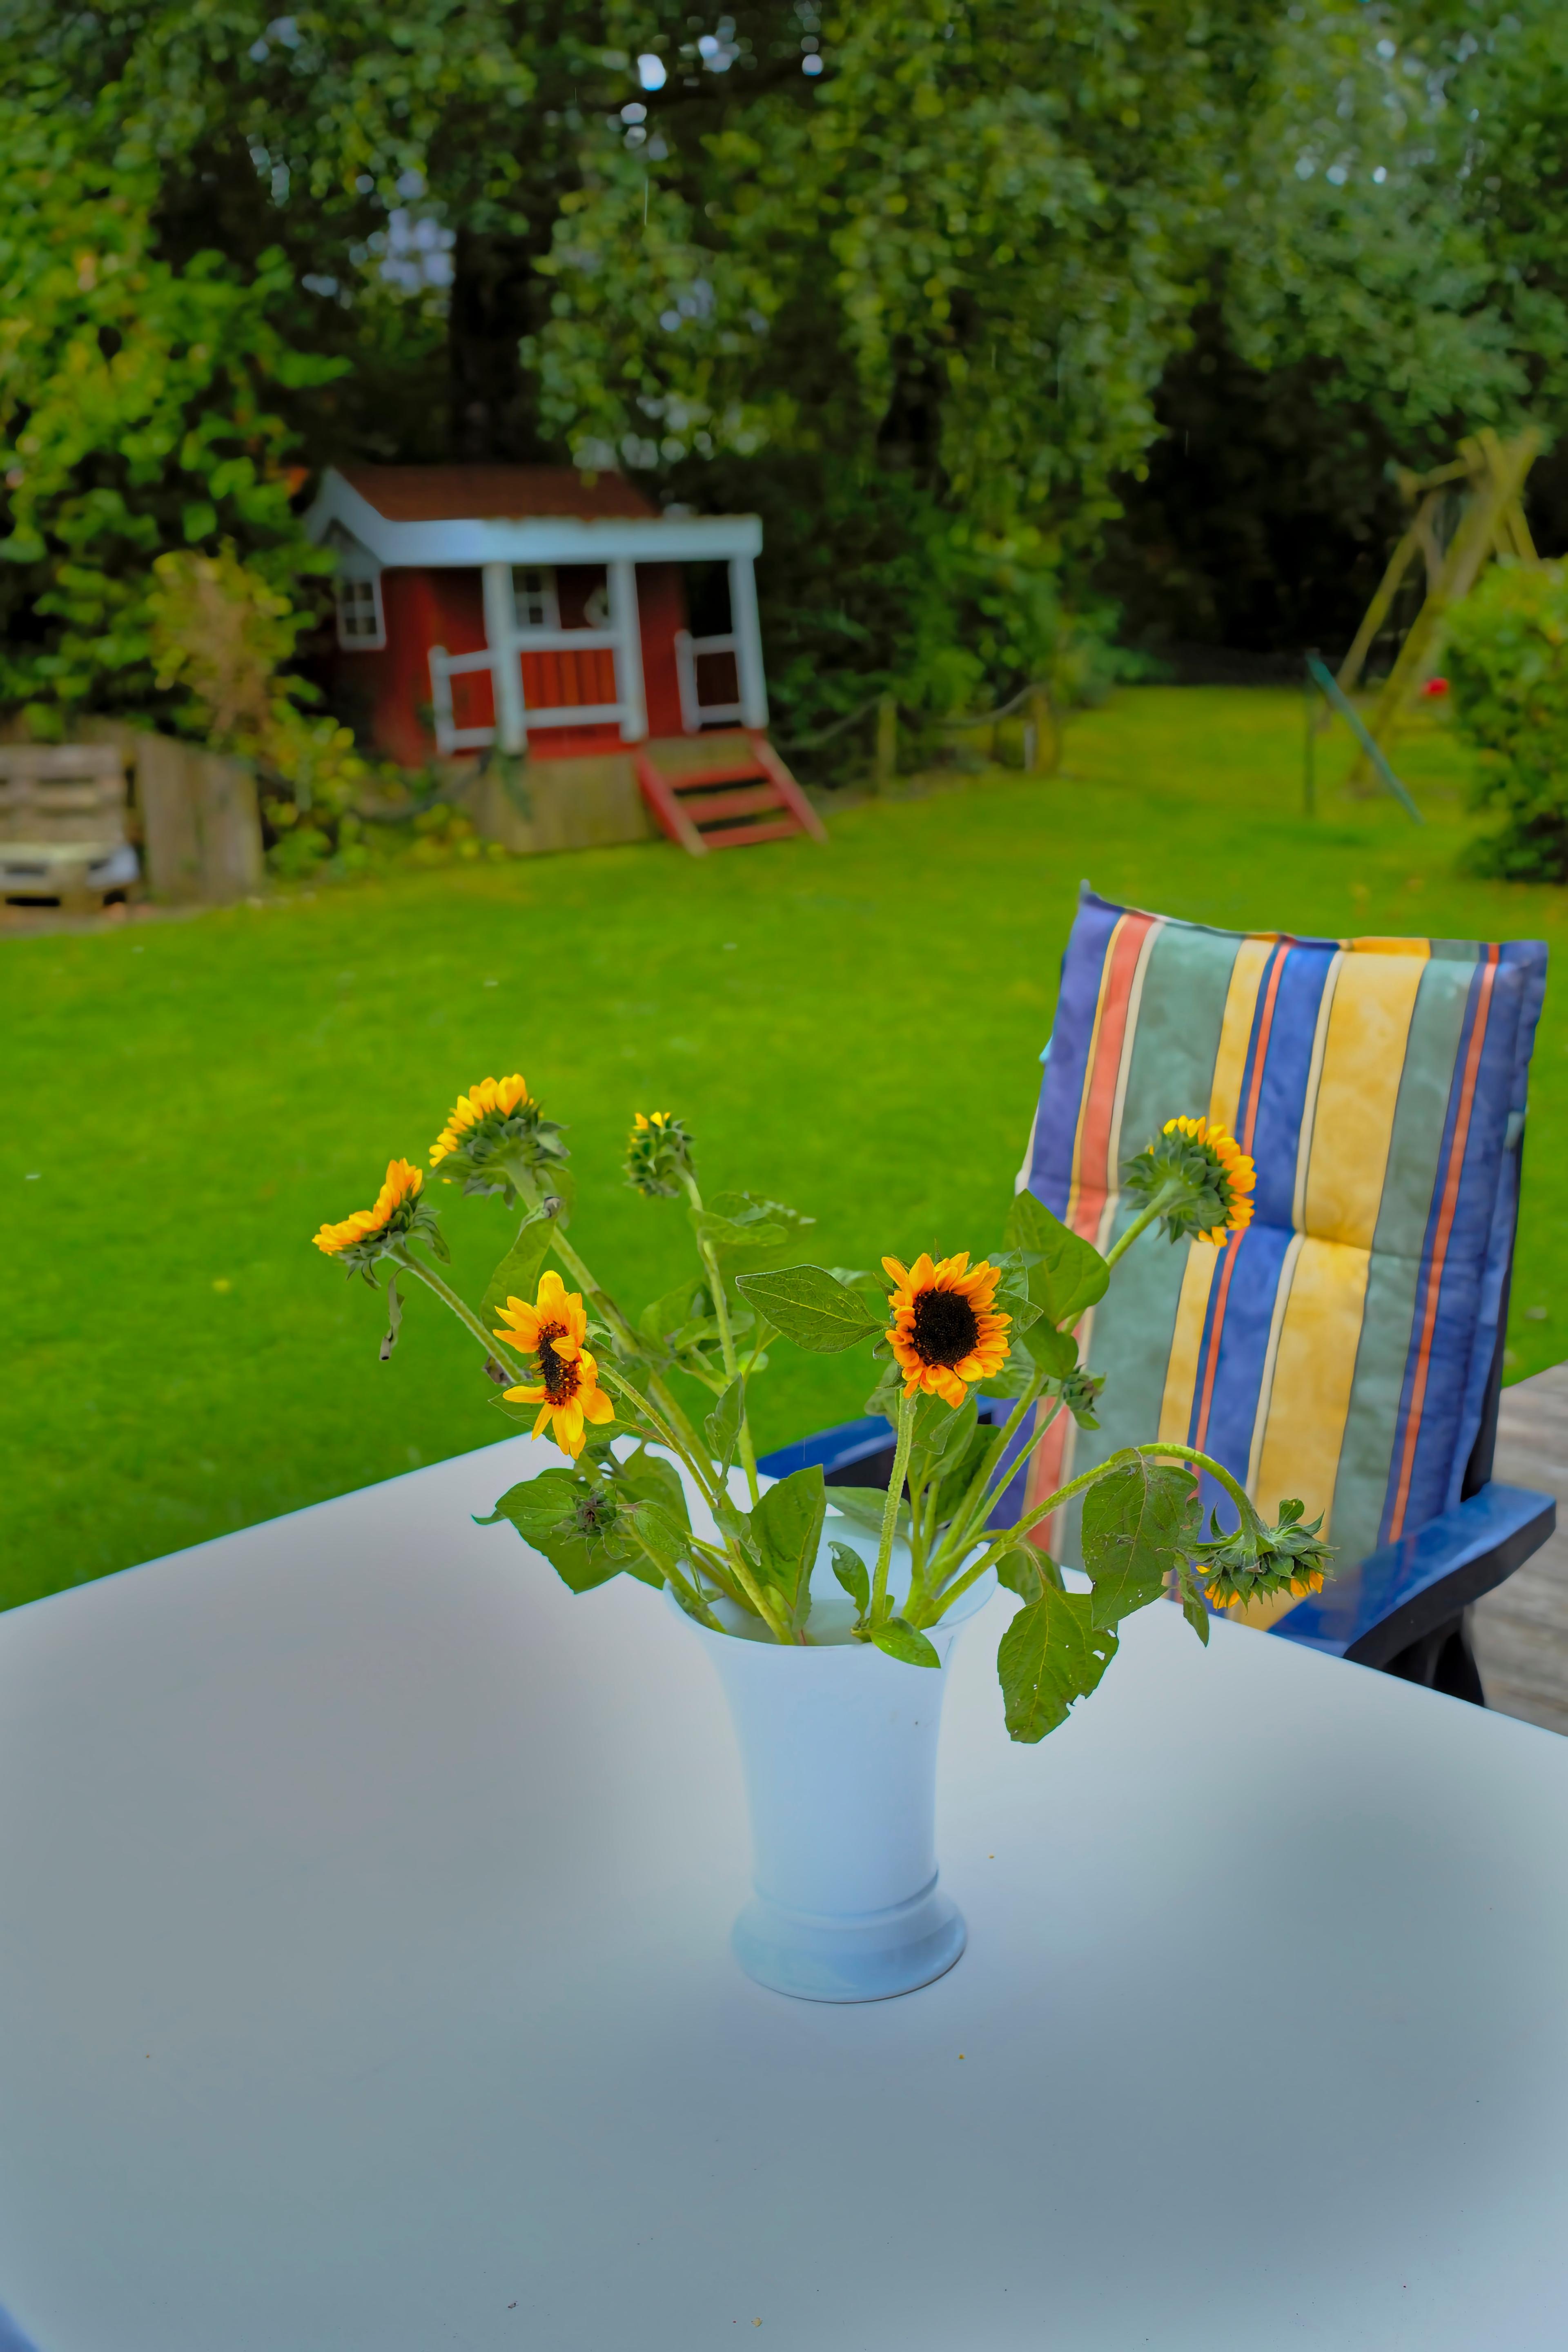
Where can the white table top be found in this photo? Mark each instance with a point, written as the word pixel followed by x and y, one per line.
pixel 365 1988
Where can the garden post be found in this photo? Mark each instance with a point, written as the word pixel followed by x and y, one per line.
pixel 1044 745
pixel 886 741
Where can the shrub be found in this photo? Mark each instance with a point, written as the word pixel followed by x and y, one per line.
pixel 1508 667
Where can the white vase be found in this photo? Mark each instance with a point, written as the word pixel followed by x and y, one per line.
pixel 839 1747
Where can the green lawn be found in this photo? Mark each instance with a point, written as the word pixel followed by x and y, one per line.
pixel 854 1029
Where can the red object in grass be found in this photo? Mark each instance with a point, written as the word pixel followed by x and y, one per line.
pixel 1435 686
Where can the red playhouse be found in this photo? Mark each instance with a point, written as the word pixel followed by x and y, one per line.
pixel 532 608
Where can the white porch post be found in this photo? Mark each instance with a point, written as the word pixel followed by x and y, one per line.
pixel 621 576
pixel 506 669
pixel 748 635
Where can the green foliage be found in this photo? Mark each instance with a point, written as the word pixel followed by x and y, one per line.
pixel 811 1308
pixel 851 1572
pixel 1139 1521
pixel 139 406
pixel 1065 1273
pixel 787 1525
pixel 1051 1655
pixel 1508 664
pixel 898 1640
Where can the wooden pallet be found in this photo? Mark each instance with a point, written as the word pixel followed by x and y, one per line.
pixel 62 812
pixel 697 806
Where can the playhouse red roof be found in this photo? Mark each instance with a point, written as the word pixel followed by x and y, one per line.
pixel 492 493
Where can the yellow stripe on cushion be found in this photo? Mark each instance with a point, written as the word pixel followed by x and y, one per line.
pixel 1373 945
pixel 1236 1029
pixel 1314 1365
pixel 1310 1100
pixel 1182 1367
pixel 1358 1092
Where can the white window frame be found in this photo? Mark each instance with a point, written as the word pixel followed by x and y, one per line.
pixel 350 588
pixel 535 603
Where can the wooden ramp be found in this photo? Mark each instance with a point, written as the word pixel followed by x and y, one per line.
pixel 722 792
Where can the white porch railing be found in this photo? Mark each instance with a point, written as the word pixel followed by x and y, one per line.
pixel 445 666
pixel 694 711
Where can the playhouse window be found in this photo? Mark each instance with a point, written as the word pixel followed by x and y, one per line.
pixel 534 602
pixel 362 625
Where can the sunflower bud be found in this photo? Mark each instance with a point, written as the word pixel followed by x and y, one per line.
pixel 658 1155
pixel 1258 1560
pixel 400 1214
pixel 1199 1176
pixel 496 1139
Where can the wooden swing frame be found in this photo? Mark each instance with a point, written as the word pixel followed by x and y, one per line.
pixel 1492 524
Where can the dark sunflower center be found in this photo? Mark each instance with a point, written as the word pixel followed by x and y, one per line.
pixel 559 1373
pixel 946 1327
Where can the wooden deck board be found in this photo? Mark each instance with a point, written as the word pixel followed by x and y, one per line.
pixel 1520 1631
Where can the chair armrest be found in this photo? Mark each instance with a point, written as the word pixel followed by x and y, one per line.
pixel 1408 1588
pixel 839 1450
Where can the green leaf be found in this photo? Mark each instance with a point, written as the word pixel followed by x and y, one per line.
pixel 942 1431
pixel 1055 1352
pixel 199 520
pixel 1137 1521
pixel 859 1277
pixel 742 1231
pixel 517 1275
pixel 787 1525
pixel 723 1426
pixel 1194 1608
pixel 736 1524
pixel 866 1505
pixel 853 1575
pixel 1068 1274
pixel 537 1505
pixel 667 1535
pixel 884 1397
pixel 669 1314
pixel 1021 1308
pixel 547 1513
pixel 901 1642
pixel 1051 1655
pixel 1027 1570
pixel 810 1308
pixel 650 1477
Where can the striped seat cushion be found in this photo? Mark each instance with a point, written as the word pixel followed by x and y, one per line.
pixel 1340 1348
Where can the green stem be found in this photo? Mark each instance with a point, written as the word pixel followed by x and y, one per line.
pixel 695 1459
pixel 463 1313
pixel 1238 1494
pixel 601 1300
pixel 890 1513
pixel 748 1451
pixel 963 1519
pixel 1166 1198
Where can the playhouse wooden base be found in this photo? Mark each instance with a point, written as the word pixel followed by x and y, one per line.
pixel 598 798
pixel 581 803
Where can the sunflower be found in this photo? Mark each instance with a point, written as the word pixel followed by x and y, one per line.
pixel 568 1391
pixel 498 1097
pixel 369 1230
pixel 658 1155
pixel 943 1333
pixel 1233 1176
pixel 1199 1176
